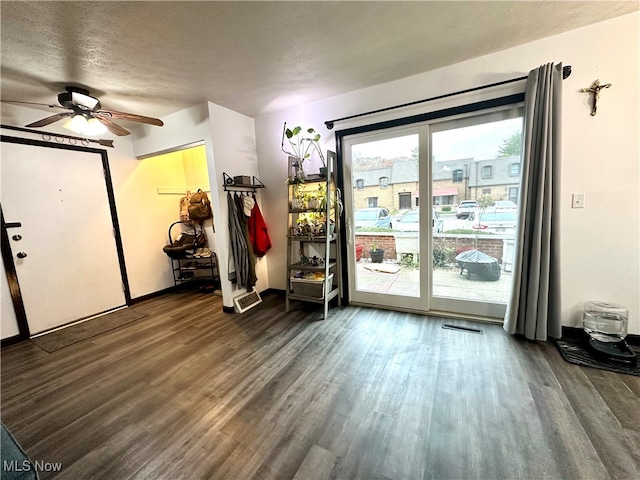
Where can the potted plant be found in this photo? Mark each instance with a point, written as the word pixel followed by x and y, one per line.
pixel 322 197
pixel 376 254
pixel 301 148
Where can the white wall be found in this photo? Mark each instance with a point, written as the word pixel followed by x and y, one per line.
pixel 600 243
pixel 234 147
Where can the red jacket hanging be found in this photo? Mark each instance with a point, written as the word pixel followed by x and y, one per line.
pixel 258 234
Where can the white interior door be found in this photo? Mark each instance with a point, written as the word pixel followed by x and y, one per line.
pixel 71 269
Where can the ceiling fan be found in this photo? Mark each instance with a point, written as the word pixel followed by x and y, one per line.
pixel 86 115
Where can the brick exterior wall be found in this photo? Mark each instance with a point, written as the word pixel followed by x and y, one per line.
pixel 382 240
pixel 484 243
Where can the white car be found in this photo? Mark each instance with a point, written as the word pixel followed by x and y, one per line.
pixel 467 209
pixel 410 222
pixel 505 205
pixel 497 221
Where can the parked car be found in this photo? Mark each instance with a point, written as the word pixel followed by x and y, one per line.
pixel 505 205
pixel 410 222
pixel 497 221
pixel 395 217
pixel 467 209
pixel 372 217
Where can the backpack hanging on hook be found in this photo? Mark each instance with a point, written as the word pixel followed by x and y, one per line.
pixel 199 206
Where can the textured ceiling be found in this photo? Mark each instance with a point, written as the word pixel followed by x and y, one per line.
pixel 155 58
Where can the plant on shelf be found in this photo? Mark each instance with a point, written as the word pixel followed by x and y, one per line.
pixel 312 202
pixel 321 196
pixel 301 147
pixel 296 199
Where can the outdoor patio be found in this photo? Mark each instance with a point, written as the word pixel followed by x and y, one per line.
pixel 447 282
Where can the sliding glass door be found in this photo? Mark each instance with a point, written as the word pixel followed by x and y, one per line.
pixel 478 158
pixel 431 212
pixel 384 221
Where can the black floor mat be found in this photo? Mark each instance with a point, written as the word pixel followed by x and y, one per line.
pixel 574 350
pixel 83 331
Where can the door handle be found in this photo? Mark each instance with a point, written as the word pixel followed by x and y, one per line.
pixel 21 255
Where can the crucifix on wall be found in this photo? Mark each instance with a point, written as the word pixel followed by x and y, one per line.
pixel 595 90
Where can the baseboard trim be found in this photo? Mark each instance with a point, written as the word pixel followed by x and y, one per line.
pixel 151 295
pixel 273 291
pixel 5 342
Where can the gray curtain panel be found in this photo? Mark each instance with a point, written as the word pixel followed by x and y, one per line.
pixel 534 306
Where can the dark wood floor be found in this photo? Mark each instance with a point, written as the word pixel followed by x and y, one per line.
pixel 191 392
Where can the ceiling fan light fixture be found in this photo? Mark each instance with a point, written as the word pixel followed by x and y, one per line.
pixel 95 127
pixel 77 124
pixel 82 125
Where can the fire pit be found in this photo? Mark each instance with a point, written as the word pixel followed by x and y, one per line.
pixel 480 264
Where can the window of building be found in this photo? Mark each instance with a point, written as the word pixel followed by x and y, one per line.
pixel 404 201
pixel 384 182
pixel 444 200
pixel 514 169
pixel 513 194
pixel 360 184
pixel 457 175
pixel 487 171
pixel 372 202
pixel 486 191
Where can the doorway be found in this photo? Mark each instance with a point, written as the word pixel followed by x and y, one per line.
pixel 443 165
pixel 64 250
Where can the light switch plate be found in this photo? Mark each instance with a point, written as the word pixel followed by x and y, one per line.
pixel 577 200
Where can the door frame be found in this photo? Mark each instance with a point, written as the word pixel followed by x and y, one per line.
pixel 7 255
pixel 418 303
pixel 398 122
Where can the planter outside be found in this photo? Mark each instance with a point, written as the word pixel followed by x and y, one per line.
pixel 376 255
pixel 323 171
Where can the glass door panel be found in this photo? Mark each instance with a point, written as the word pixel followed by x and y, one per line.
pixel 384 220
pixel 475 182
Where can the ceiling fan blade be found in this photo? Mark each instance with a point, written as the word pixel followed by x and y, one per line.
pixel 17 102
pixel 132 117
pixel 111 126
pixel 49 120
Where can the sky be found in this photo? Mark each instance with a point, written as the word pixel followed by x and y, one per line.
pixel 479 141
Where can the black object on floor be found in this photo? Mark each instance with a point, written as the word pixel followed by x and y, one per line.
pixel 64 337
pixel 15 462
pixel 576 350
pixel 617 352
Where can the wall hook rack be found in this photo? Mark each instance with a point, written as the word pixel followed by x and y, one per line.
pixel 232 184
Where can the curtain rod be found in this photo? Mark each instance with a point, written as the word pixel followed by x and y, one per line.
pixel 566 71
